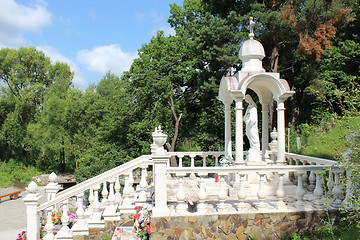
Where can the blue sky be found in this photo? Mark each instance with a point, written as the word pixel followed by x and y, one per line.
pixel 92 36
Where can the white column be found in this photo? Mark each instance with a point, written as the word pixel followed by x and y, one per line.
pixel 32 217
pixel 281 132
pixel 264 129
pixel 239 150
pixel 161 208
pixel 228 147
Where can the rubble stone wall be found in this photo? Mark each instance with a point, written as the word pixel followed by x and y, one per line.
pixel 236 226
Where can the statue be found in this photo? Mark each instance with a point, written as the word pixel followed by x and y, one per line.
pixel 252 133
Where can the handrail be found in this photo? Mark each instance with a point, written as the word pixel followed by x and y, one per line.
pixel 111 174
pixel 310 159
pixel 247 169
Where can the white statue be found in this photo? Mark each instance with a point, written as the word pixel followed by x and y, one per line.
pixel 251 121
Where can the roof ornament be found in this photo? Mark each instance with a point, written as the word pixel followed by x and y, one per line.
pixel 251 28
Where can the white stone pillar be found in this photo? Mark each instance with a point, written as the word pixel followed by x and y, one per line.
pixel 239 149
pixel 264 129
pixel 160 163
pixel 228 145
pixel 281 132
pixel 32 217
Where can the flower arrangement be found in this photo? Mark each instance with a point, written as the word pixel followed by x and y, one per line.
pixel 226 162
pixel 142 221
pixel 22 236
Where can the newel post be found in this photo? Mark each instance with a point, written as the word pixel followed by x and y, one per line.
pixel 32 217
pixel 160 158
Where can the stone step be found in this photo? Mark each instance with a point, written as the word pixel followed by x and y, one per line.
pixel 124 233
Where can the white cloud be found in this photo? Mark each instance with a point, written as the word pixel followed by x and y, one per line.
pixel 15 19
pixel 56 56
pixel 102 59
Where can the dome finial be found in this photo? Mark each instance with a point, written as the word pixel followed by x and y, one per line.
pixel 251 28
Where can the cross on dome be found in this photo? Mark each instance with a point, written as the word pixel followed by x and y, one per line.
pixel 251 28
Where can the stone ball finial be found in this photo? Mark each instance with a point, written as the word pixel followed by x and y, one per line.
pixel 52 177
pixel 32 187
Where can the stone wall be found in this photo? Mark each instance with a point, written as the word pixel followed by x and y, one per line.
pixel 234 226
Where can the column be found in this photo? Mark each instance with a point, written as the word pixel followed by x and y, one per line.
pixel 239 151
pixel 228 147
pixel 264 129
pixel 281 132
pixel 32 217
pixel 161 208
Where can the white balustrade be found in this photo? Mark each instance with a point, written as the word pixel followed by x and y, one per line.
pixel 143 185
pixel 49 227
pixel 80 227
pixel 318 191
pixel 104 194
pixel 117 190
pixel 202 195
pixel 330 183
pixel 300 192
pixel 65 232
pixel 336 191
pixel 312 179
pixel 261 192
pixel 280 193
pixel 181 197
pixel 222 195
pixel 126 192
pixel 242 193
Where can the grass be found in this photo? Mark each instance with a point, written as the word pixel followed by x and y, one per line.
pixel 326 140
pixel 13 173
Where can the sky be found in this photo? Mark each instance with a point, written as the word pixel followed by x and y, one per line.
pixel 92 36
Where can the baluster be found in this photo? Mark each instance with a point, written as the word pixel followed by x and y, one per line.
pixel 110 213
pixel 91 199
pixel 318 192
pixel 261 192
pixel 304 178
pixel 131 181
pixel 49 227
pixel 312 180
pixel 104 194
pixel 111 198
pixel 65 231
pixel 95 219
pixel 300 192
pixel 280 194
pixel 180 196
pixel 330 183
pixel 180 160
pixel 204 156
pixel 217 160
pixel 202 195
pixel 126 192
pixel 336 191
pixel 349 193
pixel 222 195
pixel 242 193
pixel 143 185
pixel 117 190
pixel 192 175
pixel 80 227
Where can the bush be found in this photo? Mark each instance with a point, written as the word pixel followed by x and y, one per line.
pixel 12 173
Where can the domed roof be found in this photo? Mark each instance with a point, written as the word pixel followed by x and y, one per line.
pixel 252 48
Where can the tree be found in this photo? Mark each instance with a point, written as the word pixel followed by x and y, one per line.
pixel 26 75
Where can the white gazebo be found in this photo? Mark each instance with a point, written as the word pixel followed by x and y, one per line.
pixel 267 86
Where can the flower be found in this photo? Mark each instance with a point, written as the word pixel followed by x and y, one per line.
pixel 142 221
pixel 72 217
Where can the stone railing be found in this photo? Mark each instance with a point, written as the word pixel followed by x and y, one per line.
pixel 197 184
pixel 112 203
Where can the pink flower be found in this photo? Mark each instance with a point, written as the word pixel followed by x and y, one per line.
pixel 72 217
pixel 148 229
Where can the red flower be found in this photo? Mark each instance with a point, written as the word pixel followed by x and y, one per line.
pixel 136 217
